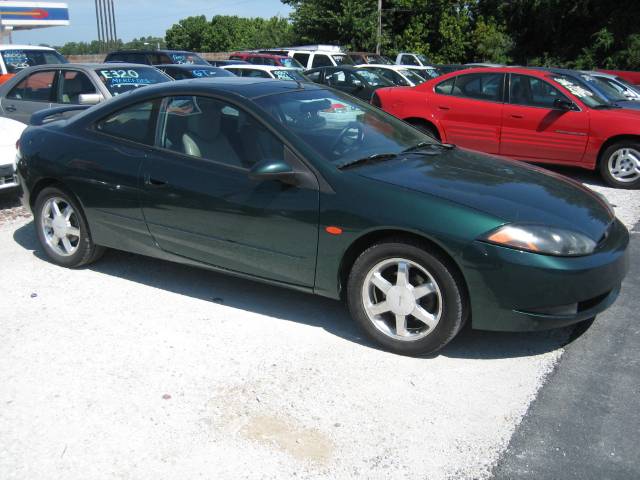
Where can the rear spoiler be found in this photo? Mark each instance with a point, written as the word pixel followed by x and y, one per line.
pixel 52 114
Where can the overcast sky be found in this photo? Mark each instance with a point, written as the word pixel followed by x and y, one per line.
pixel 137 18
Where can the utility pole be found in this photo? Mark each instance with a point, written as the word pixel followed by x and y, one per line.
pixel 379 36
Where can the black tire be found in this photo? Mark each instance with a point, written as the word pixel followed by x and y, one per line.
pixel 424 127
pixel 604 165
pixel 455 309
pixel 86 251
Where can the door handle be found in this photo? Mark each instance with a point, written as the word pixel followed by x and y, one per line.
pixel 10 108
pixel 154 182
pixel 441 107
pixel 513 115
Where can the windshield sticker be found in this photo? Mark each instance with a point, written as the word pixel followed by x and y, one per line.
pixel 204 73
pixel 16 58
pixel 283 75
pixel 577 90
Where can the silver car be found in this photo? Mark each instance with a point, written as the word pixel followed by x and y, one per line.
pixel 47 86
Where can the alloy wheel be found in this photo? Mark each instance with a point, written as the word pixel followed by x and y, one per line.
pixel 402 299
pixel 624 165
pixel 60 226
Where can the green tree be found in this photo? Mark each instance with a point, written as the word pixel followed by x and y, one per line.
pixel 490 42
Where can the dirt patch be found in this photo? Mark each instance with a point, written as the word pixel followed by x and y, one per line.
pixel 11 209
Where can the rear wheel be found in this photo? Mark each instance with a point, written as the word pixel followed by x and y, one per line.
pixel 620 165
pixel 62 229
pixel 406 298
pixel 425 127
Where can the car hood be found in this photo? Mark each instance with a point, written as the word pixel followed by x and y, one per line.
pixel 505 189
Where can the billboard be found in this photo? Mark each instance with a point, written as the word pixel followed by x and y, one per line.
pixel 27 15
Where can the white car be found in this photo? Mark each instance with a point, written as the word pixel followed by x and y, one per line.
pixel 266 71
pixel 10 131
pixel 14 58
pixel 415 59
pixel 315 56
pixel 425 72
pixel 399 75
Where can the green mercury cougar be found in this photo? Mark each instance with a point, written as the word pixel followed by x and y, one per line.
pixel 302 186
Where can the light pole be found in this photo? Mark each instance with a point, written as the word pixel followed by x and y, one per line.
pixel 379 36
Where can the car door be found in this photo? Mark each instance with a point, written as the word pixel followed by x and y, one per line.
pixel 535 128
pixel 33 93
pixel 469 109
pixel 104 173
pixel 200 203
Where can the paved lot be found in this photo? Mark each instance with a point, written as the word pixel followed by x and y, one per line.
pixel 137 368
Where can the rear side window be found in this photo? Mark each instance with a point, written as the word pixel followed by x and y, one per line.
pixel 479 86
pixel 446 87
pixel 320 60
pixel 303 58
pixel 37 87
pixel 133 123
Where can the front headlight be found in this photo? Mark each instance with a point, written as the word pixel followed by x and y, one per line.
pixel 542 239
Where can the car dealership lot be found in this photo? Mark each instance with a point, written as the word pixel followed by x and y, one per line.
pixel 139 368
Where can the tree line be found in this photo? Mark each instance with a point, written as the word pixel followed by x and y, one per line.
pixel 572 33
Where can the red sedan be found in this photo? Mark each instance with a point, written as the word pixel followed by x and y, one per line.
pixel 525 114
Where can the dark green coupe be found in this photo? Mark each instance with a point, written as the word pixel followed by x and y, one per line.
pixel 305 187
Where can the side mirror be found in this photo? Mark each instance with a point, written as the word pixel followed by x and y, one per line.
pixel 564 105
pixel 90 98
pixel 273 170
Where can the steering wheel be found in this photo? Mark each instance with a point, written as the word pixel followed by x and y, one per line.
pixel 341 146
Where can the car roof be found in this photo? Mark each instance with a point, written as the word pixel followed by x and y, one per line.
pixel 138 50
pixel 382 65
pixel 266 68
pixel 184 66
pixel 262 55
pixel 249 88
pixel 24 47
pixel 87 66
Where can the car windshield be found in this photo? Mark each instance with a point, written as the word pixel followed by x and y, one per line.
pixel 333 124
pixel 412 76
pixel 342 59
pixel 581 90
pixel 188 58
pixel 374 79
pixel 290 62
pixel 604 88
pixel 119 81
pixel 16 60
pixel 210 72
pixel 289 75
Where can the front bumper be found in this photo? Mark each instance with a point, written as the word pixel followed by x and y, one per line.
pixel 511 290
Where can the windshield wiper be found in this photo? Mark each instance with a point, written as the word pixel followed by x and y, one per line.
pixel 376 156
pixel 423 145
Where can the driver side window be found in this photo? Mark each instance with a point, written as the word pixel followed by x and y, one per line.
pixel 533 92
pixel 210 129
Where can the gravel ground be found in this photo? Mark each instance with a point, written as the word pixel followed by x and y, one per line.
pixel 137 368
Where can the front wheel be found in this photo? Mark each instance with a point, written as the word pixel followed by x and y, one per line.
pixel 62 229
pixel 406 298
pixel 620 165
